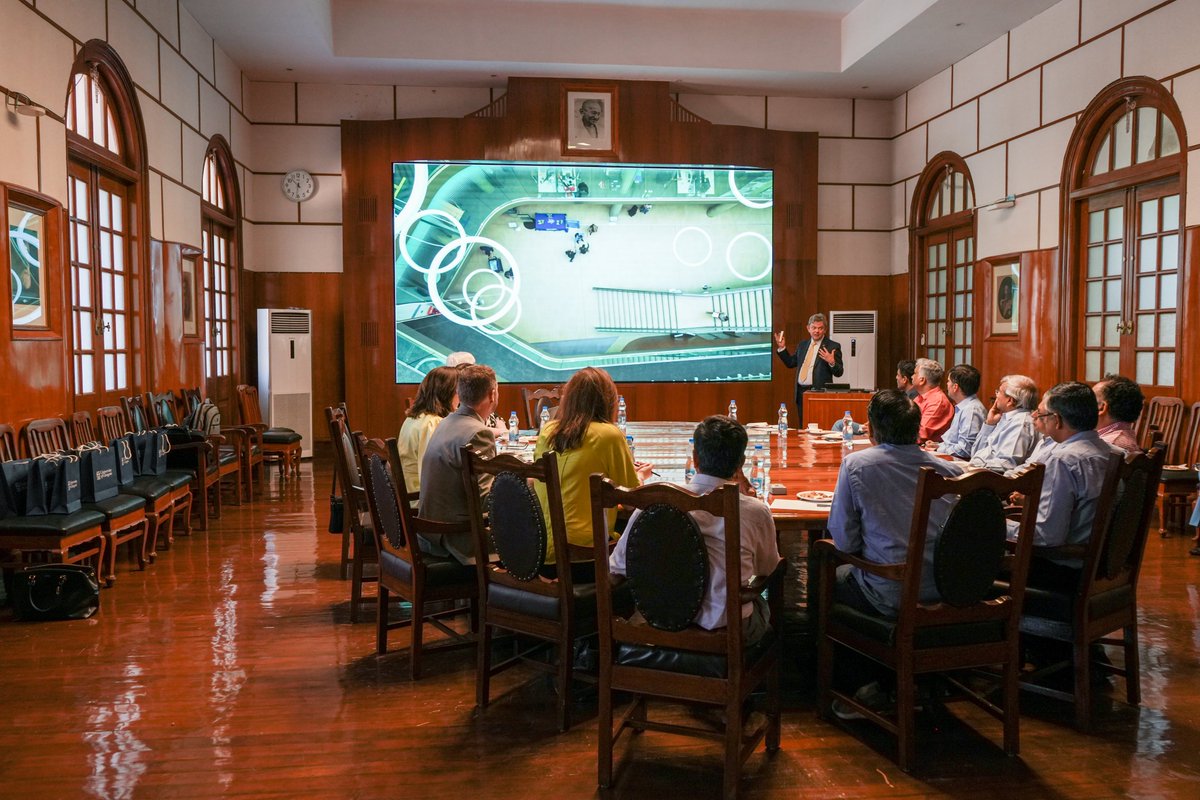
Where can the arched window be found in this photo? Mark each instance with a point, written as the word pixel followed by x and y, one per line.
pixel 1123 224
pixel 105 165
pixel 220 226
pixel 943 268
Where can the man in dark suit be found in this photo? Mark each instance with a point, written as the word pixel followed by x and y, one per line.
pixel 818 360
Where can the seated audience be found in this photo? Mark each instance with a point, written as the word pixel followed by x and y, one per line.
pixel 937 411
pixel 873 501
pixel 962 387
pixel 719 454
pixel 436 397
pixel 443 496
pixel 1008 436
pixel 462 358
pixel 904 377
pixel 586 440
pixel 1075 469
pixel 1120 401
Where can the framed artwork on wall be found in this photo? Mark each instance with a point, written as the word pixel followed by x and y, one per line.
pixel 589 119
pixel 189 297
pixel 1006 299
pixel 27 252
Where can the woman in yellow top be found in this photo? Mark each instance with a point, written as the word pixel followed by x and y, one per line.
pixel 436 397
pixel 586 441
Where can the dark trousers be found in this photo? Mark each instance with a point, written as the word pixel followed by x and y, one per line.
pixel 800 390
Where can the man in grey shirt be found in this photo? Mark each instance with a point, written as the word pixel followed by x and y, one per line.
pixel 1008 436
pixel 962 386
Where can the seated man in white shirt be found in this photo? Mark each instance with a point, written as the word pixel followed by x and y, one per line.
pixel 719 453
pixel 962 386
pixel 1008 436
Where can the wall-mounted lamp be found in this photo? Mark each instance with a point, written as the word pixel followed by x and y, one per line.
pixel 1008 201
pixel 21 104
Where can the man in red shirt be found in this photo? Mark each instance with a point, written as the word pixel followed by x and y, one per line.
pixel 936 409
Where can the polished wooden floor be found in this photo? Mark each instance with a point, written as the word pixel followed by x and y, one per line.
pixel 230 669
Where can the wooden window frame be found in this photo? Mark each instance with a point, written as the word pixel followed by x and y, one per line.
pixel 52 260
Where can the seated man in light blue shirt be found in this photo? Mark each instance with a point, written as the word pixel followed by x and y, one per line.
pixel 873 505
pixel 1008 436
pixel 1075 471
pixel 962 386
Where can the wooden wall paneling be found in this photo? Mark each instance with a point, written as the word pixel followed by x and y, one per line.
pixel 173 362
pixel 1188 325
pixel 322 293
pixel 1034 351
pixel 900 345
pixel 855 293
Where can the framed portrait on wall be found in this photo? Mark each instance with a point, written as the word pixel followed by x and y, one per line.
pixel 589 119
pixel 27 252
pixel 1006 299
pixel 188 296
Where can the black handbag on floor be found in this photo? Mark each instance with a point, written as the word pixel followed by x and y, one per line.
pixel 55 591
pixel 337 509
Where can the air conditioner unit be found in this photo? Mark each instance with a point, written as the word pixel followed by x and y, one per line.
pixel 856 332
pixel 285 370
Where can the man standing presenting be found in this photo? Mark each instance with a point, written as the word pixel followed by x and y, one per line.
pixel 443 497
pixel 818 361
pixel 962 386
pixel 937 411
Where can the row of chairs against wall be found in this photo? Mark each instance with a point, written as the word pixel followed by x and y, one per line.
pixel 1168 420
pixel 200 469
pixel 648 660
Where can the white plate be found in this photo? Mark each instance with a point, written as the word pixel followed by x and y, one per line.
pixel 816 497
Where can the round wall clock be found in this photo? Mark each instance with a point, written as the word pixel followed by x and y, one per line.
pixel 298 185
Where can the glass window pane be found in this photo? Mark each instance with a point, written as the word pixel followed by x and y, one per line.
pixel 971 241
pixel 942 307
pixel 1170 213
pixel 1123 141
pixel 110 371
pixel 1166 330
pixel 1116 223
pixel 1144 372
pixel 119 332
pixel 959 306
pixel 931 311
pixel 1166 369
pixel 1100 165
pixel 87 370
pixel 1170 251
pixel 1092 337
pixel 1112 291
pixel 1148 255
pixel 1149 209
pixel 85 326
pixel 122 380
pixel 1147 135
pixel 106 290
pixel 1095 261
pixel 1091 368
pixel 1169 288
pixel 1096 226
pixel 105 250
pixel 1145 330
pixel 1094 294
pixel 960 277
pixel 970 278
pixel 960 251
pixel 118 214
pixel 943 250
pixel 1170 139
pixel 942 281
pixel 1147 293
pixel 108 332
pixel 1112 336
pixel 1112 362
pixel 1115 253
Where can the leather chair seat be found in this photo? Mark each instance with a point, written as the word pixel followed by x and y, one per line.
pixel 62 524
pixel 118 506
pixel 176 478
pixel 227 455
pixel 704 665
pixel 1176 477
pixel 883 630
pixel 438 571
pixel 147 488
pixel 281 436
pixel 1049 612
pixel 546 607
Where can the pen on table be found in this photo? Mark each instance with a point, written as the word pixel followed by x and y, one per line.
pixel 656 474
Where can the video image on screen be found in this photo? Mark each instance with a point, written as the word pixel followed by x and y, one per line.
pixel 653 273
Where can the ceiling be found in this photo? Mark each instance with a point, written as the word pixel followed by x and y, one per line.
pixel 843 48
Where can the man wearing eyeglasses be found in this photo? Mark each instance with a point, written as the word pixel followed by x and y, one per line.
pixel 1008 435
pixel 1075 467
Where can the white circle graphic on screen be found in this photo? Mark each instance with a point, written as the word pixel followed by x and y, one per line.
pixel 27 245
pixel 755 235
pixel 693 243
pixel 506 301
pixel 733 187
pixel 402 240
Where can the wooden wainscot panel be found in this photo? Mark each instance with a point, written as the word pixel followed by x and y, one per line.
pixel 1034 349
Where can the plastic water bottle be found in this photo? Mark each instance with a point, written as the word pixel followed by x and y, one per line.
pixel 766 474
pixel 756 472
pixel 782 421
pixel 514 428
pixel 848 429
pixel 622 413
pixel 733 410
pixel 689 469
pixel 629 441
pixel 545 417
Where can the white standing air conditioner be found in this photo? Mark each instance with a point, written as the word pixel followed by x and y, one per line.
pixel 285 370
pixel 856 332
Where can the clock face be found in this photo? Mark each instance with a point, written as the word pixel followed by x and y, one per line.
pixel 298 185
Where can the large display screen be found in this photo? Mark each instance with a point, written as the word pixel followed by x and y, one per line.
pixel 654 273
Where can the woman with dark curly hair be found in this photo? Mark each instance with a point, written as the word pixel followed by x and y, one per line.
pixel 436 397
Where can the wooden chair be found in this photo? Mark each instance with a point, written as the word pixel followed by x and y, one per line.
pixel 1105 599
pixel 357 515
pixel 660 653
pixel 164 500
pixel 535 400
pixel 124 515
pixel 515 593
pixel 66 538
pixel 1165 414
pixel 417 577
pixel 280 445
pixel 167 409
pixel 969 628
pixel 1177 489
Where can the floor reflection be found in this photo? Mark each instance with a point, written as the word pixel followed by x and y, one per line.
pixel 228 676
pixel 117 760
